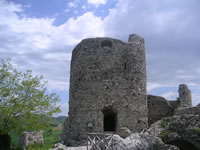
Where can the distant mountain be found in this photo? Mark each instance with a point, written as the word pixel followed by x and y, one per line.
pixel 60 119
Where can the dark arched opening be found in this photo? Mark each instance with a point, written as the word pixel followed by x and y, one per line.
pixel 110 120
pixel 183 145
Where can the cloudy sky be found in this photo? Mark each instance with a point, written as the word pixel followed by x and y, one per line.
pixel 41 34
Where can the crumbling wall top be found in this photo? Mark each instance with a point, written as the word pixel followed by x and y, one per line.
pixel 185 96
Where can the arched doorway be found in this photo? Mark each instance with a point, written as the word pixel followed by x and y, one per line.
pixel 110 120
pixel 183 145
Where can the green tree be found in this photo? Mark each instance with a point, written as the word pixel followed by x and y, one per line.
pixel 24 101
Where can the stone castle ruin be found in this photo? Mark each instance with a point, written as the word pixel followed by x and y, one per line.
pixel 30 138
pixel 108 90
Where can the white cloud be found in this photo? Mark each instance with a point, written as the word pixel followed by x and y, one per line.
pixel 67 10
pixel 171 35
pixel 71 4
pixel 152 86
pixel 37 44
pixel 57 56
pixel 156 85
pixel 9 9
pixel 170 95
pixel 97 2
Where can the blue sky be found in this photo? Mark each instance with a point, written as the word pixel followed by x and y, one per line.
pixel 41 34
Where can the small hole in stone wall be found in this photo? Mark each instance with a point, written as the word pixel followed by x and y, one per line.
pixel 125 66
pixel 106 43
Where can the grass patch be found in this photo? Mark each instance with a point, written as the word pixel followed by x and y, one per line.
pixel 196 130
pixel 14 139
pixel 163 124
pixel 51 136
pixel 39 147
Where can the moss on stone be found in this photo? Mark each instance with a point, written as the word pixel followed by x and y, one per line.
pixel 163 124
pixel 164 135
pixel 196 130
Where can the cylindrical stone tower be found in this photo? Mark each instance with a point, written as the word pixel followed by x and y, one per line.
pixel 107 87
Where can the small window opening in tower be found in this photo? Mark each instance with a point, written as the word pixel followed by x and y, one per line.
pixel 106 43
pixel 125 66
pixel 110 119
pixel 183 145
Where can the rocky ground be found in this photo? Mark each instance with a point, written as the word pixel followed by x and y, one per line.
pixel 181 130
pixel 185 128
pixel 60 146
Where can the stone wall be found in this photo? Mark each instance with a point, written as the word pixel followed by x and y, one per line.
pixel 158 108
pixel 29 138
pixel 187 110
pixel 107 79
pixel 173 103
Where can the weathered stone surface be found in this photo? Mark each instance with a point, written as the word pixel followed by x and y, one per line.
pixel 183 129
pixel 185 97
pixel 59 146
pixel 187 110
pixel 139 141
pixel 29 138
pixel 158 107
pixel 65 130
pixel 78 148
pixel 108 93
pixel 124 132
pixel 107 84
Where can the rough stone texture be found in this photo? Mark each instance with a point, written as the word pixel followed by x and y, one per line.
pixel 65 131
pixel 174 104
pixel 187 110
pixel 77 148
pixel 60 146
pixel 158 107
pixel 124 132
pixel 184 128
pixel 29 138
pixel 139 141
pixel 108 77
pixel 185 97
pixel 108 93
